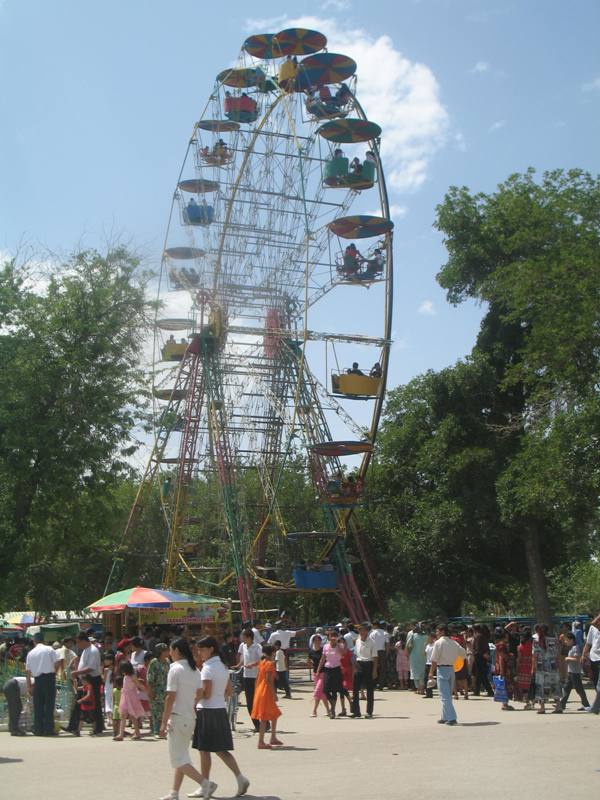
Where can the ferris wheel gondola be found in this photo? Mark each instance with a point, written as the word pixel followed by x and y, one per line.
pixel 264 201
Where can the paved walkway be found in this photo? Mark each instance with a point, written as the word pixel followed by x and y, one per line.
pixel 402 752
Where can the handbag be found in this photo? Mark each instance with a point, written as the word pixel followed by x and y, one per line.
pixel 500 692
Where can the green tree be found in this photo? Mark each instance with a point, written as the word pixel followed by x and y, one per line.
pixel 531 253
pixel 431 504
pixel 72 396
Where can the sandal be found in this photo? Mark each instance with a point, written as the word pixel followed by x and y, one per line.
pixel 264 747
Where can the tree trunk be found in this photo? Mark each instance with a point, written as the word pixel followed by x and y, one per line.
pixel 537 579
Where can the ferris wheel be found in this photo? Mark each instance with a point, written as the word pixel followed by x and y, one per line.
pixel 273 336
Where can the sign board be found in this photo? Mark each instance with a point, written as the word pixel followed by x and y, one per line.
pixel 187 614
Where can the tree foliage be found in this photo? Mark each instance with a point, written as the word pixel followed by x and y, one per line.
pixel 72 395
pixel 494 463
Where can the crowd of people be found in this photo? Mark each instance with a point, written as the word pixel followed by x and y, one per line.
pixel 179 686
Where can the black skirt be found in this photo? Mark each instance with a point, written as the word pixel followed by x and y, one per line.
pixel 212 732
pixel 333 680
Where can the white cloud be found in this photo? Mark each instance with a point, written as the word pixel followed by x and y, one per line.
pixel 337 5
pixel 401 95
pixel 398 211
pixel 427 308
pixel 400 344
pixel 480 66
pixel 591 86
pixel 496 126
pixel 460 143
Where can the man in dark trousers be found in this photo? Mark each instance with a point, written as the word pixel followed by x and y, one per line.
pixel 365 670
pixel 42 664
pixel 14 689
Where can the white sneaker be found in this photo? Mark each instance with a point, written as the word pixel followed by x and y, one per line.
pixel 198 793
pixel 208 788
pixel 243 785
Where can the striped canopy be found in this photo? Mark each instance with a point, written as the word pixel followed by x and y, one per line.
pixel 184 253
pixel 241 78
pixel 299 42
pixel 262 45
pixel 341 448
pixel 218 125
pixel 349 130
pixel 322 69
pixel 198 186
pixel 360 226
pixel 142 597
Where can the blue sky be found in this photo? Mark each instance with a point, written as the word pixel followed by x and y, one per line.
pixel 98 101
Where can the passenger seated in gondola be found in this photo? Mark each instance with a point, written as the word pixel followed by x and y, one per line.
pixel 352 261
pixel 338 153
pixel 343 96
pixel 174 278
pixel 355 370
pixel 287 74
pixel 228 103
pixel 191 276
pixel 204 152
pixel 220 149
pixel 375 370
pixel 369 157
pixel 355 166
pixel 373 266
pixel 247 109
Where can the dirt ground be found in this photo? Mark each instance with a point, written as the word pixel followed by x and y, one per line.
pixel 401 752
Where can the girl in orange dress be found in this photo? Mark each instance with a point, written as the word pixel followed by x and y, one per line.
pixel 265 708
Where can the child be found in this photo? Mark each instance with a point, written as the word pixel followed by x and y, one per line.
pixel 108 672
pixel 315 652
pixel 129 705
pixel 283 681
pixel 116 699
pixel 87 704
pixel 573 674
pixel 402 665
pixel 265 708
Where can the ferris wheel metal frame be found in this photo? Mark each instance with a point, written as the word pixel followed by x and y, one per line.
pixel 265 262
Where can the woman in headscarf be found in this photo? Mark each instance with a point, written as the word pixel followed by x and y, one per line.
pixel 415 644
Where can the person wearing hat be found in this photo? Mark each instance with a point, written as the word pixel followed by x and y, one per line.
pixel 42 663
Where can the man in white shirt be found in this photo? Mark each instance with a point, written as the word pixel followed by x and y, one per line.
pixel 444 654
pixel 591 651
pixel 250 654
pixel 90 664
pixel 284 636
pixel 350 636
pixel 380 638
pixel 42 664
pixel 365 670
